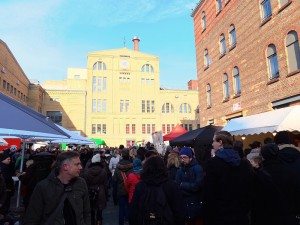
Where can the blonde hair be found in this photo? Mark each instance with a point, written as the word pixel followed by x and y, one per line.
pixel 173 159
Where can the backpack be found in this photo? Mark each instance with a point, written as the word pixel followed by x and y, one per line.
pixel 154 206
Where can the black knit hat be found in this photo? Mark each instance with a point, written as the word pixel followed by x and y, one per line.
pixel 4 155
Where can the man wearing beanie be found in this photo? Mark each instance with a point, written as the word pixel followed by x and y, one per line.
pixel 189 178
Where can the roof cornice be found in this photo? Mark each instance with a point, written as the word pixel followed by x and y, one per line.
pixel 196 8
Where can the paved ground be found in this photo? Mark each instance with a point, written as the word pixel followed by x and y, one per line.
pixel 110 214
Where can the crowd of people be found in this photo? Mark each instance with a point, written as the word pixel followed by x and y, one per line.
pixel 233 186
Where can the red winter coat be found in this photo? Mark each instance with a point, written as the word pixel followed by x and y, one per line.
pixel 132 180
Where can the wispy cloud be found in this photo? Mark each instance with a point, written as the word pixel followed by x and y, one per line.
pixel 35 29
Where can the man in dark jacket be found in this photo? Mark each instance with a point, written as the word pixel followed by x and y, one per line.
pixel 289 156
pixel 124 167
pixel 228 185
pixel 62 198
pixel 189 179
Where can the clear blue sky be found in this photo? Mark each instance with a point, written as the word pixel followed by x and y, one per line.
pixel 48 36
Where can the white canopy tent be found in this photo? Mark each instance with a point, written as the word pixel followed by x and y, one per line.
pixel 273 121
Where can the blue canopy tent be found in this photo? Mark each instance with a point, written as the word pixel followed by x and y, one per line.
pixel 22 121
pixel 74 138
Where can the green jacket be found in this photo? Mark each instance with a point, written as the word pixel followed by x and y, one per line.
pixel 46 198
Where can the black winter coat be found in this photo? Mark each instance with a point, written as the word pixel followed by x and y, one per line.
pixel 46 197
pixel 96 177
pixel 126 167
pixel 228 190
pixel 173 197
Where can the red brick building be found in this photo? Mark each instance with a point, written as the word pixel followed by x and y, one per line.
pixel 248 57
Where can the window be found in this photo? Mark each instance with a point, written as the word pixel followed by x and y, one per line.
pixel 207 61
pixel 293 51
pixel 167 108
pixel 55 116
pixel 94 105
pixel 168 128
pixel 266 9
pixel 153 128
pixel 93 128
pixel 232 35
pixel 124 105
pixel 208 95
pixel 219 5
pixel 99 84
pixel 225 86
pixel 77 77
pixel 222 44
pixel 127 128
pixel 98 128
pixel 148 106
pixel 163 128
pixel 190 127
pixel 99 66
pixel 4 84
pixel 272 62
pixel 148 128
pixel 99 105
pixel 185 108
pixel 236 81
pixel 203 20
pixel 133 128
pixel 144 128
pixel 147 68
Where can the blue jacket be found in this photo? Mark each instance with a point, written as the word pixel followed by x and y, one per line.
pixel 189 178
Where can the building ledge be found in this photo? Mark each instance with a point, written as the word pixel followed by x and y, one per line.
pixel 203 30
pixel 293 73
pixel 284 6
pixel 205 68
pixel 225 100
pixel 226 2
pixel 274 80
pixel 232 47
pixel 266 20
pixel 218 12
pixel 236 95
pixel 208 107
pixel 222 55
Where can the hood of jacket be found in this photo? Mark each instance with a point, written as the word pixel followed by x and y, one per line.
pixel 230 156
pixel 289 153
pixel 125 165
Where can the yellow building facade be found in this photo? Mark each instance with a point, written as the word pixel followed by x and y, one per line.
pixel 118 98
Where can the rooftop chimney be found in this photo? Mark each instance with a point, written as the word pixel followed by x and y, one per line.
pixel 136 41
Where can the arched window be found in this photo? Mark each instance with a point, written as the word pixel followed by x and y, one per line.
pixel 293 51
pixel 99 66
pixel 185 108
pixel 206 59
pixel 222 44
pixel 225 86
pixel 232 35
pixel 272 61
pixel 167 108
pixel 266 9
pixel 203 20
pixel 147 68
pixel 236 81
pixel 219 5
pixel 208 95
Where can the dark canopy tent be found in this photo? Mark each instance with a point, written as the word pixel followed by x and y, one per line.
pixel 177 131
pixel 200 139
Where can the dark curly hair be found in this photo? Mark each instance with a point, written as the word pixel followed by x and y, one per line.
pixel 154 170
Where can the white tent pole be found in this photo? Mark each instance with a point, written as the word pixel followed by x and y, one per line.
pixel 21 170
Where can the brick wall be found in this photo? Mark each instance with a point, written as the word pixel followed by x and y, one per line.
pixel 249 55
